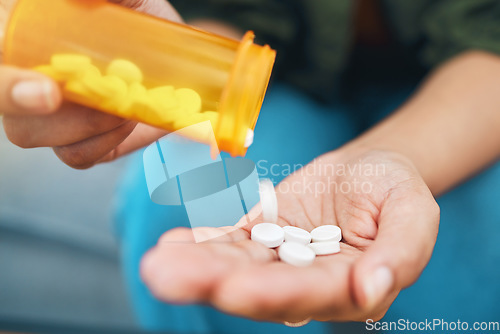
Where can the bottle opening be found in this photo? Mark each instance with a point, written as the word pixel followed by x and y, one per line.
pixel 243 96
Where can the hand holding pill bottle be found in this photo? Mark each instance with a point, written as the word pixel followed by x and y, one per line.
pixel 138 67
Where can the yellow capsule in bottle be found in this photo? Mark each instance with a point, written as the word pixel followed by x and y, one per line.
pixel 126 70
pixel 69 63
pixel 189 100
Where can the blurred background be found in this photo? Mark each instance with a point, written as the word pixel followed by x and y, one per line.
pixel 59 259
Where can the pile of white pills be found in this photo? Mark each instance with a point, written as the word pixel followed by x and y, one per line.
pixel 297 246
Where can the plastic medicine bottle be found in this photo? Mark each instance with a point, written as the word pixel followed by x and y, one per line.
pixel 164 58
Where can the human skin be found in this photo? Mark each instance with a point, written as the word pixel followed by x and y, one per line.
pixel 389 230
pixel 446 132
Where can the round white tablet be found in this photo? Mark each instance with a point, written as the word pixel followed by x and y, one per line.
pixel 326 233
pixel 249 138
pixel 296 234
pixel 270 235
pixel 268 201
pixel 325 248
pixel 296 254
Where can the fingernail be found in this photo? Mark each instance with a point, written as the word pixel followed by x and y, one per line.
pixel 34 95
pixel 376 286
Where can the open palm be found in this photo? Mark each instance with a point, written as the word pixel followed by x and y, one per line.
pixel 389 221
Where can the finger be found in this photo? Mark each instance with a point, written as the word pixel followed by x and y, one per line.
pixel 85 154
pixel 25 92
pixel 299 205
pixel 242 277
pixel 211 234
pixel 188 272
pixel 71 124
pixel 204 234
pixel 408 225
pixel 159 8
pixel 142 135
pixel 281 292
pixel 259 289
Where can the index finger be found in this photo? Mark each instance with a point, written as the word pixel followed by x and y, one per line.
pixel 181 271
pixel 277 291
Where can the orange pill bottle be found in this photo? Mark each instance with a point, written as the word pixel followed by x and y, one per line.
pixel 230 76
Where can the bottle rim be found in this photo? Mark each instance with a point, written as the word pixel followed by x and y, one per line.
pixel 243 95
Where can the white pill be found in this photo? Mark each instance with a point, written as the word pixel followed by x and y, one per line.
pixel 296 254
pixel 249 138
pixel 270 235
pixel 268 201
pixel 326 233
pixel 296 234
pixel 325 248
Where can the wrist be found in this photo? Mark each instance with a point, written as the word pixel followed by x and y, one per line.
pixel 358 152
pixel 359 149
pixel 402 149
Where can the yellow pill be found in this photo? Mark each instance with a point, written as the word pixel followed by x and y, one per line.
pixel 61 76
pixel 166 102
pixel 211 116
pixel 137 89
pixel 192 119
pixel 168 116
pixel 110 87
pixel 89 69
pixel 118 91
pixel 140 106
pixel 126 70
pixel 90 80
pixel 76 92
pixel 145 111
pixel 136 92
pixel 51 72
pixel 69 63
pixel 186 121
pixel 164 96
pixel 113 106
pixel 189 100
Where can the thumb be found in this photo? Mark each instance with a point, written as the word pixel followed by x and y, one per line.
pixel 25 92
pixel 159 8
pixel 407 230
